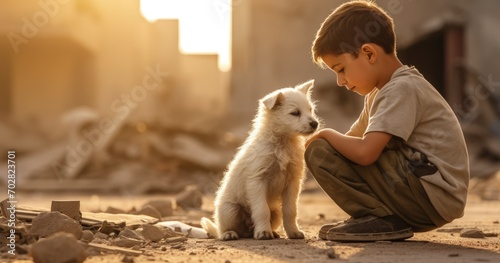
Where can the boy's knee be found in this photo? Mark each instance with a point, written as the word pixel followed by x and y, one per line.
pixel 316 148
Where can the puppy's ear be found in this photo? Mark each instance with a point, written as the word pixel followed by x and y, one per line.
pixel 306 87
pixel 273 100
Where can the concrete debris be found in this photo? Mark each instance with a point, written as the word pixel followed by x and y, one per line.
pixel 190 198
pixel 48 223
pixel 129 233
pixel 472 233
pixel 87 236
pixel 109 227
pixel 59 248
pixel 114 210
pixel 152 233
pixel 126 242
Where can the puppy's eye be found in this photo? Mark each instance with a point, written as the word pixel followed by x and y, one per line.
pixel 295 113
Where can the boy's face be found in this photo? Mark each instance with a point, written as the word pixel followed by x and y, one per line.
pixel 356 74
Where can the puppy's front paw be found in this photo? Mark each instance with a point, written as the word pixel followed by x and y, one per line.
pixel 296 235
pixel 264 235
pixel 276 235
pixel 229 235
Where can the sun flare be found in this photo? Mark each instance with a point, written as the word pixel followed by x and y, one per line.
pixel 204 26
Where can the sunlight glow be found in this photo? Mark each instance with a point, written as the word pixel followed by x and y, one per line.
pixel 204 26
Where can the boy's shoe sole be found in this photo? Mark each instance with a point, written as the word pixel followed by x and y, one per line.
pixel 370 237
pixel 369 229
pixel 324 228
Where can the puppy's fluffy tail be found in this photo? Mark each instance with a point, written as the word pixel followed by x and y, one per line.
pixel 210 227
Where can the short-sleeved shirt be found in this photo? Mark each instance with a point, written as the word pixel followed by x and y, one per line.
pixel 411 109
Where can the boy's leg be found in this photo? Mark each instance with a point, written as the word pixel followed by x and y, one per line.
pixel 383 189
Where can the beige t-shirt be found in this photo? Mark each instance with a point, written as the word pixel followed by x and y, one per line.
pixel 410 108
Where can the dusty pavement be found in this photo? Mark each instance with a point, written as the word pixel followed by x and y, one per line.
pixel 442 245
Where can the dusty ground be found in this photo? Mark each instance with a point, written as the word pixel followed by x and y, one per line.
pixel 441 246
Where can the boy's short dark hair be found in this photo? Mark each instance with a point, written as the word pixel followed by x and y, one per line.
pixel 350 26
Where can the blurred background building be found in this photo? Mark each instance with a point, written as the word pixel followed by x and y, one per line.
pixel 79 66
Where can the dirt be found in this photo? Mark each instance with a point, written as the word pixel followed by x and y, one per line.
pixel 442 245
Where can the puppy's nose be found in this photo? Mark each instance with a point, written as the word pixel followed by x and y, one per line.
pixel 314 124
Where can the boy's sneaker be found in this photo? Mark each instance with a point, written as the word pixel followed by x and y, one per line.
pixel 324 228
pixel 370 228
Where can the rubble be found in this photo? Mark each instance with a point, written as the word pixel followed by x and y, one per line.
pixel 48 223
pixel 59 248
pixel 472 233
pixel 152 233
pixel 87 236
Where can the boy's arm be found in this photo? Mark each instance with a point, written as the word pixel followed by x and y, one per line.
pixel 361 150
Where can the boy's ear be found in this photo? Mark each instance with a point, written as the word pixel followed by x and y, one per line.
pixel 273 100
pixel 306 87
pixel 369 51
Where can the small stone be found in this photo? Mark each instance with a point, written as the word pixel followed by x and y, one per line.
pixel 331 253
pixel 87 236
pixel 453 255
pixel 471 233
pixel 60 248
pixel 101 235
pixel 330 243
pixel 48 223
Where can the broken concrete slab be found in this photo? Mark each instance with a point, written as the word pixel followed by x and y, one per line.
pixel 60 248
pixel 188 230
pixel 48 223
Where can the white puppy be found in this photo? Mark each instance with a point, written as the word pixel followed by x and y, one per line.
pixel 261 187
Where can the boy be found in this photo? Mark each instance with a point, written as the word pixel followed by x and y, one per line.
pixel 403 165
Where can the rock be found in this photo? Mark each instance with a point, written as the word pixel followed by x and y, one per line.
pixel 149 211
pixel 126 242
pixel 165 207
pixel 129 233
pixel 330 252
pixel 101 235
pixel 152 233
pixel 48 223
pixel 110 227
pixel 471 233
pixel 60 248
pixel 190 198
pixel 87 236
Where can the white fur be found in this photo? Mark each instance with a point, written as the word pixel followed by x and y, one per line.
pixel 261 187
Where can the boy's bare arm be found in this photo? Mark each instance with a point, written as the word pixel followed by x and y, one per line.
pixel 363 151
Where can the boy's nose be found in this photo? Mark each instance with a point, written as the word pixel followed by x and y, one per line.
pixel 341 81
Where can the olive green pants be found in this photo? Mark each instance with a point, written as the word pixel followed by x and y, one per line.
pixel 384 188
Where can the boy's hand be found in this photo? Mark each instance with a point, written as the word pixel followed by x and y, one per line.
pixel 315 136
